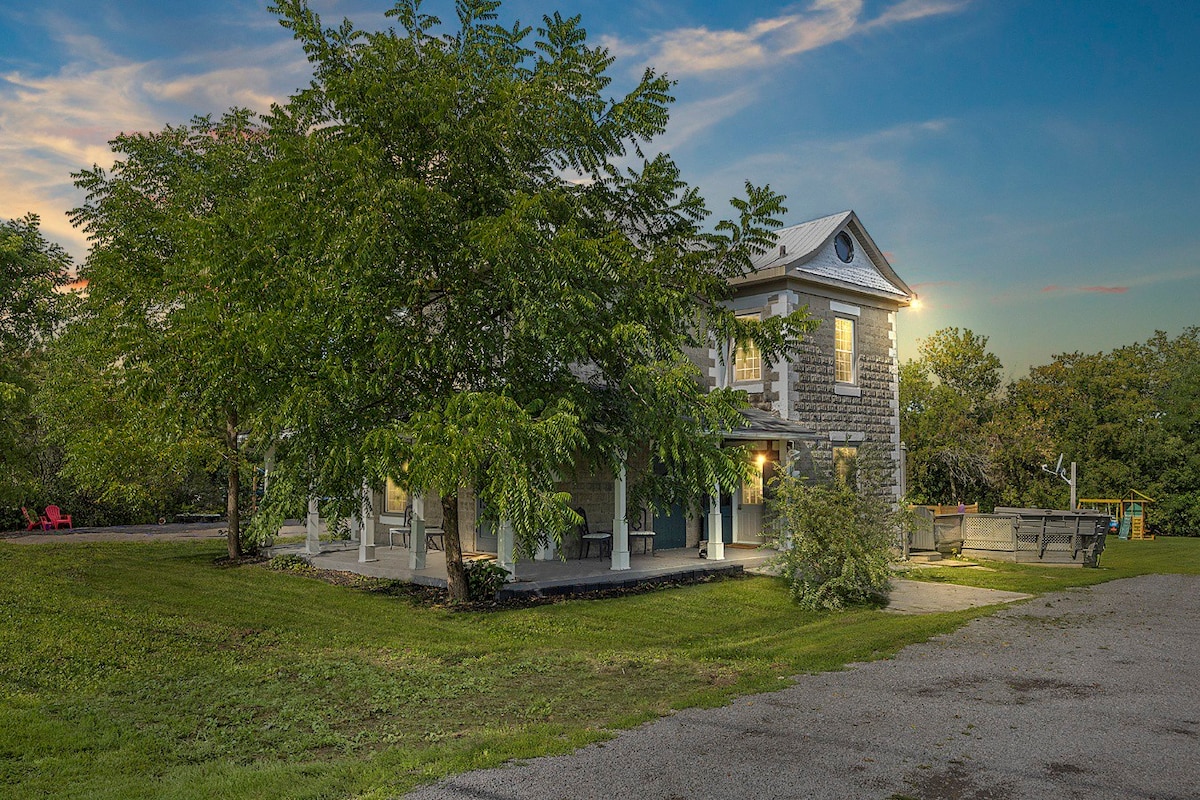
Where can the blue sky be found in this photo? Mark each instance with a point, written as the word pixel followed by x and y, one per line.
pixel 1030 167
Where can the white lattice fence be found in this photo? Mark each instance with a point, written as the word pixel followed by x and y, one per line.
pixel 988 532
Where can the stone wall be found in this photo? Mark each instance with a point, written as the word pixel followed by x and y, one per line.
pixel 869 419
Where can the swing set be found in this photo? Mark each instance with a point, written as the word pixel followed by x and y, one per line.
pixel 1130 512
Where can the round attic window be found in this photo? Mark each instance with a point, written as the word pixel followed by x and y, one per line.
pixel 844 246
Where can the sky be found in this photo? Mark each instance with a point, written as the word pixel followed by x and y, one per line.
pixel 1030 167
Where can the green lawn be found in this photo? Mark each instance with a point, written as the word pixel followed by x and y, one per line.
pixel 141 670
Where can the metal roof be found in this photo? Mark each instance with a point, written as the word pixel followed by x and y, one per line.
pixel 806 250
pixel 765 425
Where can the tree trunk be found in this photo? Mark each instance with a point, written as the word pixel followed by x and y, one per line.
pixel 456 576
pixel 234 536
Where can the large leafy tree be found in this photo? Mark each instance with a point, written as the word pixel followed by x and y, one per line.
pixel 515 282
pixel 31 269
pixel 1128 417
pixel 185 322
pixel 947 399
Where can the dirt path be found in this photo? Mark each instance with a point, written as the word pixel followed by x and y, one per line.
pixel 1092 693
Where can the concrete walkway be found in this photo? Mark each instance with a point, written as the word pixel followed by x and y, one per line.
pixel 922 597
pixel 1092 693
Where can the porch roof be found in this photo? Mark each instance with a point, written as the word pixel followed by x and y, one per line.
pixel 761 424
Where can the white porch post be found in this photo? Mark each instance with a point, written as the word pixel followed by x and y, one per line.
pixel 783 538
pixel 506 548
pixel 620 542
pixel 418 545
pixel 312 533
pixel 716 547
pixel 366 539
pixel 735 514
pixel 546 552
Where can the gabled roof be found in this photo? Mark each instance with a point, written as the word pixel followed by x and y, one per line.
pixel 804 250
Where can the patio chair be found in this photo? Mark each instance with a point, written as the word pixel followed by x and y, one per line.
pixel 587 537
pixel 638 529
pixel 31 522
pixel 404 531
pixel 57 518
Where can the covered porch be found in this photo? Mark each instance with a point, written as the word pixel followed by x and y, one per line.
pixel 731 529
pixel 541 578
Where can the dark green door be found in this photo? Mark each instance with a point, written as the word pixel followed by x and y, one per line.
pixel 670 530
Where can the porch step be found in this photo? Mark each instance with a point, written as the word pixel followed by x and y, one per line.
pixel 924 558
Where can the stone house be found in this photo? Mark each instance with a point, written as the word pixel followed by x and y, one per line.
pixel 813 413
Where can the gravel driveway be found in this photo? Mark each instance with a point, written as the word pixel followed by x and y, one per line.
pixel 1091 693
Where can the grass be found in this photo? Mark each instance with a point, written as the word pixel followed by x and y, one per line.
pixel 1121 559
pixel 142 670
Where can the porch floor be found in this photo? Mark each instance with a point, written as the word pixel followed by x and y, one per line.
pixel 543 578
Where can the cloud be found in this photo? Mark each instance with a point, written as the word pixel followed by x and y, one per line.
pixel 690 119
pixel 688 51
pixel 56 123
pixel 1086 289
pixel 876 164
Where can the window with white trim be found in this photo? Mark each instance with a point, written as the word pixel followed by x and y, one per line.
pixel 843 350
pixel 843 462
pixel 747 361
pixel 752 487
pixel 395 498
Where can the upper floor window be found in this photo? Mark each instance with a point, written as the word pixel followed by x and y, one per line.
pixel 844 246
pixel 843 350
pixel 747 362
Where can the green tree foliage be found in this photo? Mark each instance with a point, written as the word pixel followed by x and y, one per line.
pixel 947 401
pixel 1128 418
pixel 514 283
pixel 31 269
pixel 837 537
pixel 960 360
pixel 185 325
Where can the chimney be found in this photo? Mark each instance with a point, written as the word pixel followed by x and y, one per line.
pixel 782 250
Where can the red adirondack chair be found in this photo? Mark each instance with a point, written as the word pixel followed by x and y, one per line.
pixel 57 518
pixel 32 522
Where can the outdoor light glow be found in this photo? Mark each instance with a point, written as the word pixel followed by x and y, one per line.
pixel 915 305
pixel 762 458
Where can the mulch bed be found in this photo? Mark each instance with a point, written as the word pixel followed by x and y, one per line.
pixel 435 597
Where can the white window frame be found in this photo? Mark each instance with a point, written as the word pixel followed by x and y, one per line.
pixel 838 351
pixel 747 354
pixel 850 314
pixel 395 498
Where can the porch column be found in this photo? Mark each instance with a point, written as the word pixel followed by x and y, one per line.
pixel 783 538
pixel 716 547
pixel 546 552
pixel 735 514
pixel 312 532
pixel 506 549
pixel 620 542
pixel 366 539
pixel 418 545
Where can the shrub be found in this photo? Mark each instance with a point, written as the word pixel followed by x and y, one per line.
pixel 836 541
pixel 290 562
pixel 485 579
